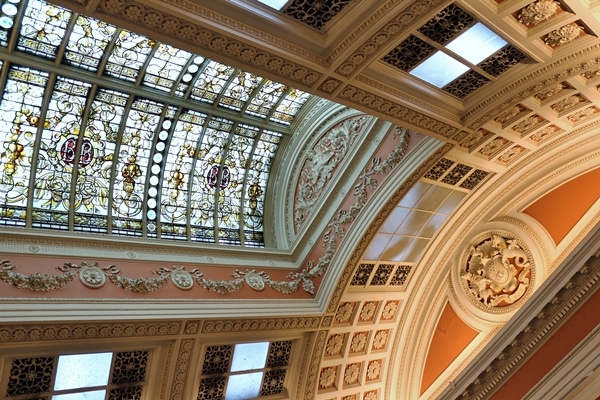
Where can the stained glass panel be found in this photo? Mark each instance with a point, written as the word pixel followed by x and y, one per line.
pixel 89 38
pixel 62 144
pixel 265 98
pixel 20 111
pixel 211 82
pixel 98 146
pixel 43 28
pixel 164 68
pixel 134 154
pixel 239 90
pixel 90 156
pixel 207 177
pixel 289 106
pixel 179 165
pixel 128 55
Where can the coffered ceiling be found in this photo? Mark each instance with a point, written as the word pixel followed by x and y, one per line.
pixel 381 305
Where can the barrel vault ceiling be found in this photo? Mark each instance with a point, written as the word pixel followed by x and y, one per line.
pixel 504 156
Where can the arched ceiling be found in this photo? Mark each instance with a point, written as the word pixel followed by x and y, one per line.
pixel 373 271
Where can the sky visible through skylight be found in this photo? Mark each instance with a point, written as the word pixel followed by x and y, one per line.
pixel 82 371
pixel 474 45
pixel 276 4
pixel 247 357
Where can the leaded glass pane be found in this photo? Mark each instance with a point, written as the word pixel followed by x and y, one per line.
pixel 265 99
pixel 20 111
pixel 257 176
pixel 239 90
pixel 43 28
pixel 128 55
pixel 237 157
pixel 208 178
pixel 89 38
pixel 98 148
pixel 58 153
pixel 179 165
pixel 165 67
pixel 289 106
pixel 211 82
pixel 10 10
pixel 134 155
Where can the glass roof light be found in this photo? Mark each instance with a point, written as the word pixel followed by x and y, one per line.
pixel 158 154
pixel 473 46
pixel 276 4
pixel 476 44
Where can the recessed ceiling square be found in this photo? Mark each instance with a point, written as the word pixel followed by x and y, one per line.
pixel 439 69
pixel 476 43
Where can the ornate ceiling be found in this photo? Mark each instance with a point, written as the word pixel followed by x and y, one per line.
pixel 419 241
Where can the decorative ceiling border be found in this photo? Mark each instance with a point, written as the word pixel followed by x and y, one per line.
pixel 201 37
pixel 95 330
pixel 391 89
pixel 567 72
pixel 387 107
pixel 381 38
pixel 392 201
pixel 560 308
pixel 220 19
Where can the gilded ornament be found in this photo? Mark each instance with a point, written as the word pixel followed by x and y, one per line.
pixel 35 282
pixel 368 311
pixel 334 345
pixel 359 341
pixel 344 312
pixel 182 279
pixel 380 340
pixel 389 311
pixel 254 280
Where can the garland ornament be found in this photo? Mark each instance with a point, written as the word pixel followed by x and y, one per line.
pixel 93 276
pixel 35 282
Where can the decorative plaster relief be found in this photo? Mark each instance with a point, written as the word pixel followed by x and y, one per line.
pixel 374 370
pixel 563 35
pixel 320 164
pixel 351 374
pixel 498 272
pixel 328 378
pixel 538 12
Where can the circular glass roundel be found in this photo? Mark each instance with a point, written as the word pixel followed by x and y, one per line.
pixel 212 177
pixel 69 149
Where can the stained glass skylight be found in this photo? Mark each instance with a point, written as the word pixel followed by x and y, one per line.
pixel 131 136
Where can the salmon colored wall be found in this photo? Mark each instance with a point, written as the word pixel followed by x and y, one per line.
pixel 450 338
pixel 559 210
pixel 48 265
pixel 573 331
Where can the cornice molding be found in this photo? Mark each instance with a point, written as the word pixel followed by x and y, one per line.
pixel 484 111
pixel 542 321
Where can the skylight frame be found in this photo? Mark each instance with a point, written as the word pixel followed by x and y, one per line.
pixel 55 378
pixel 457 57
pixel 274 4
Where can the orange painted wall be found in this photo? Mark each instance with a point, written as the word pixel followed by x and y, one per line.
pixel 559 210
pixel 553 351
pixel 450 338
